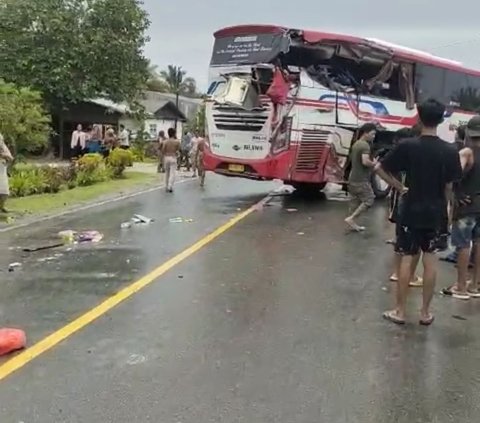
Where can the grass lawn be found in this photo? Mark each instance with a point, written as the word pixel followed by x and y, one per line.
pixel 46 203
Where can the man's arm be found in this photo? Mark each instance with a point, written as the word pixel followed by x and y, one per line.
pixel 390 179
pixel 367 161
pixel 449 197
pixel 466 158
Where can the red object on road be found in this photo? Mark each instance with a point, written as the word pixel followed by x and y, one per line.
pixel 12 340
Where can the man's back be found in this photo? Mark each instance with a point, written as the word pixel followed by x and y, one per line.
pixel 171 147
pixel 429 164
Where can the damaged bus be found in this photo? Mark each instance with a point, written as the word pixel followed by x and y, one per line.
pixel 286 103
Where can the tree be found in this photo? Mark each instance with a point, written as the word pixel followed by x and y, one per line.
pixel 73 50
pixel 177 83
pixel 155 81
pixel 468 98
pixel 24 122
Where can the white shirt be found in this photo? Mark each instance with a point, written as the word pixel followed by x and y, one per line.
pixel 124 138
pixel 79 137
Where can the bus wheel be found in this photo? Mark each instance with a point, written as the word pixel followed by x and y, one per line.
pixel 380 188
pixel 305 188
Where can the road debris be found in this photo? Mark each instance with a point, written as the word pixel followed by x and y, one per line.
pixel 13 266
pixel 137 219
pixel 292 210
pixel 180 220
pixel 12 340
pixel 43 247
pixel 72 237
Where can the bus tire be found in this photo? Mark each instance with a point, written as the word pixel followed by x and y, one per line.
pixel 380 188
pixel 305 188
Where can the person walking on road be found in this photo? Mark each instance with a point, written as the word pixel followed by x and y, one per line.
pixel 5 158
pixel 359 185
pixel 184 156
pixel 431 165
pixel 466 216
pixel 170 150
pixel 161 140
pixel 200 148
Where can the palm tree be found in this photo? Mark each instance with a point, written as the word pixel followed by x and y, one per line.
pixel 177 83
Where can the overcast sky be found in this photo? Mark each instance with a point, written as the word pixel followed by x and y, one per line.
pixel 181 32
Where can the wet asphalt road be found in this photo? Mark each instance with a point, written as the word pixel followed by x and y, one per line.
pixel 276 321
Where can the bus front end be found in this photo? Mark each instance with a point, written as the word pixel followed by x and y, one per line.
pixel 241 119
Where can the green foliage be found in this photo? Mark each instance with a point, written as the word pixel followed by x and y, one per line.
pixel 54 178
pixel 72 50
pixel 23 121
pixel 177 83
pixel 26 180
pixel 118 160
pixel 91 169
pixel 198 124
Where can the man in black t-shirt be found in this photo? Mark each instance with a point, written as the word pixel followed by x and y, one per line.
pixel 430 165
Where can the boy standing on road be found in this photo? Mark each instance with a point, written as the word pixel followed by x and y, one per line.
pixel 359 183
pixel 431 165
pixel 170 150
pixel 466 215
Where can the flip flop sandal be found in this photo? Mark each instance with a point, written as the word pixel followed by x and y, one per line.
pixel 474 294
pixel 390 316
pixel 427 322
pixel 417 283
pixel 393 278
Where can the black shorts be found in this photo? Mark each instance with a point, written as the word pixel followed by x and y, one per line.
pixel 412 241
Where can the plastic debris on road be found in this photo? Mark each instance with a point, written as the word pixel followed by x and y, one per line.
pixel 283 190
pixel 180 220
pixel 137 219
pixel 292 210
pixel 13 266
pixel 72 237
pixel 12 340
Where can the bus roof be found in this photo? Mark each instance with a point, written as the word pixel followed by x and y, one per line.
pixel 314 37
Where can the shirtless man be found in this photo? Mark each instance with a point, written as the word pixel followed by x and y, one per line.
pixel 200 148
pixel 170 150
pixel 161 140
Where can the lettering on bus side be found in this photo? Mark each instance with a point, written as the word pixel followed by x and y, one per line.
pixel 253 147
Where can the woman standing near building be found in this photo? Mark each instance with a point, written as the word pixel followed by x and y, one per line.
pixel 5 158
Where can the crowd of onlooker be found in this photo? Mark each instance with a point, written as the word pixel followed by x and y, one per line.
pixel 93 140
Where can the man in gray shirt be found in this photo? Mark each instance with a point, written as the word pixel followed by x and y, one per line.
pixel 359 186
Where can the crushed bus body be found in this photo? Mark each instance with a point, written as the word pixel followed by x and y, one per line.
pixel 285 103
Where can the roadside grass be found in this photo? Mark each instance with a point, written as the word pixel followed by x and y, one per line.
pixel 65 199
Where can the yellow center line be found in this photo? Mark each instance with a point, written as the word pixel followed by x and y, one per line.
pixel 61 334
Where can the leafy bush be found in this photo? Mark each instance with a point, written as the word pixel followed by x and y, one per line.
pixel 26 180
pixel 54 178
pixel 23 120
pixel 91 169
pixel 138 152
pixel 118 160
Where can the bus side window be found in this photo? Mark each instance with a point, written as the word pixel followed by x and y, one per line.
pixel 430 82
pixel 463 90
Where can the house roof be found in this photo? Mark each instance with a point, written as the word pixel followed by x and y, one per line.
pixel 160 106
pixel 110 105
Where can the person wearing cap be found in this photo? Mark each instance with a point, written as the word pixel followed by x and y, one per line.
pixel 466 215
